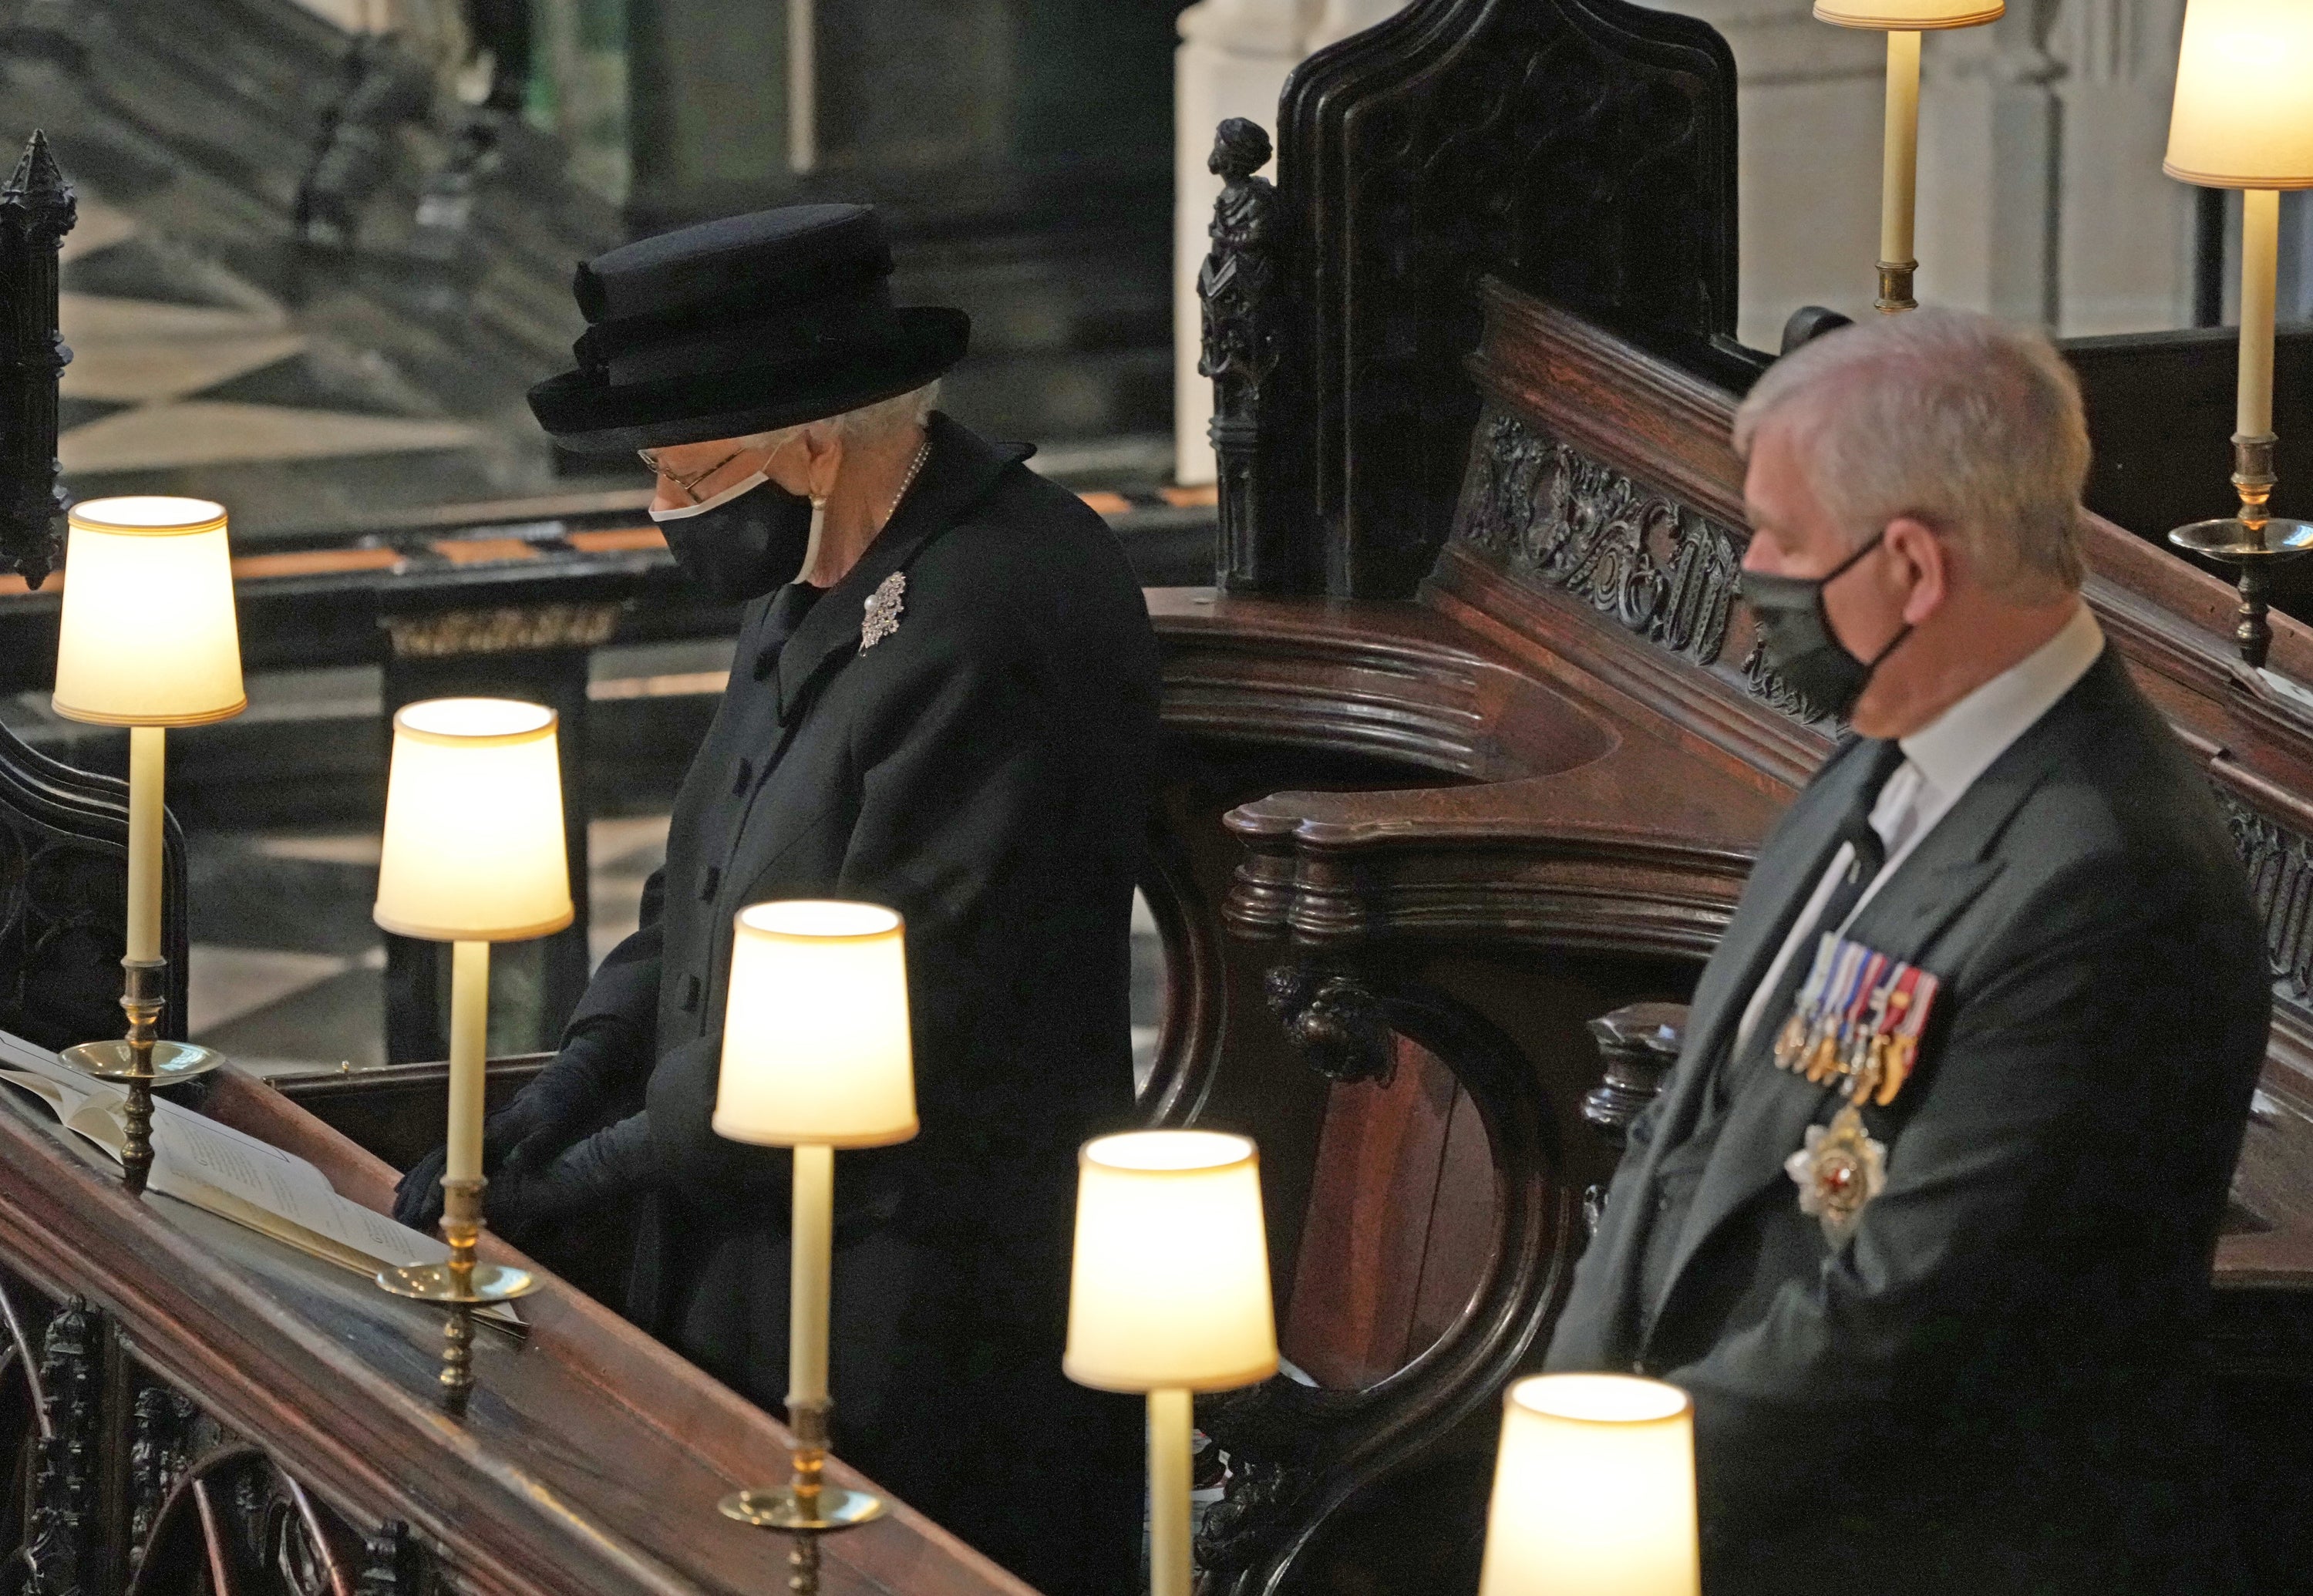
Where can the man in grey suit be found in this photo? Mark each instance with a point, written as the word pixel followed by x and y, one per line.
pixel 1923 1218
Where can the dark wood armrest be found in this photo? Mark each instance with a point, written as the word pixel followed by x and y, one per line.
pixel 398 1112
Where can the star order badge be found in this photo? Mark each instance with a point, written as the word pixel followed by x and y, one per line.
pixel 885 607
pixel 1857 1023
pixel 1841 1168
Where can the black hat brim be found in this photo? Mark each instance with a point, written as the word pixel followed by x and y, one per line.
pixel 896 353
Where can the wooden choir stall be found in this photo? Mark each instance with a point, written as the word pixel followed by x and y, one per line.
pixel 1466 756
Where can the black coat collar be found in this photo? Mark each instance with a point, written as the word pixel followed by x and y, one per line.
pixel 961 471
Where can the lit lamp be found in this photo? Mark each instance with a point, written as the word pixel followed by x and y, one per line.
pixel 2243 119
pixel 1169 1296
pixel 1593 1490
pixel 1903 22
pixel 473 855
pixel 816 1056
pixel 147 641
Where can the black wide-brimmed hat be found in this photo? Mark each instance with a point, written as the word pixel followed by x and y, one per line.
pixel 742 326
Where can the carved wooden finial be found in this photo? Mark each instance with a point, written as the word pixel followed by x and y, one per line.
pixel 1240 149
pixel 43 202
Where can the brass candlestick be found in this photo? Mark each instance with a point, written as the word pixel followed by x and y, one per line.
pixel 2251 543
pixel 462 1283
pixel 139 1062
pixel 1895 278
pixel 808 1507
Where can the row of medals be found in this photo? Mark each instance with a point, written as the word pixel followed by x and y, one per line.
pixel 1826 1047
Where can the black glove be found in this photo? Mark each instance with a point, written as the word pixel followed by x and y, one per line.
pixel 417 1197
pixel 568 1098
pixel 590 1174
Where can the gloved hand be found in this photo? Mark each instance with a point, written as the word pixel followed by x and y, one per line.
pixel 602 1168
pixel 569 1096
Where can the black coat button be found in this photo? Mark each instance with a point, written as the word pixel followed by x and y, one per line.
pixel 690 993
pixel 746 774
pixel 708 884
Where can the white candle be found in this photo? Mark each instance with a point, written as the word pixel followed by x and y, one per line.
pixel 1169 1428
pixel 2260 257
pixel 148 764
pixel 469 1007
pixel 803 87
pixel 1900 150
pixel 810 1274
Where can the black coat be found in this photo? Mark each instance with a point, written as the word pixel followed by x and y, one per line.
pixel 1997 1386
pixel 984 770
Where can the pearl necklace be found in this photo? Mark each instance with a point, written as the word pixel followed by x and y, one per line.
pixel 923 452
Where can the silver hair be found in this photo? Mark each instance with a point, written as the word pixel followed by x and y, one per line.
pixel 1961 420
pixel 865 423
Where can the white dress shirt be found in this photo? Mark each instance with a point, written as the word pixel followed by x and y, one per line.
pixel 1941 761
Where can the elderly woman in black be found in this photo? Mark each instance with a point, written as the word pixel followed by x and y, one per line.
pixel 944 701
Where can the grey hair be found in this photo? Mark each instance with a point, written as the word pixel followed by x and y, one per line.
pixel 1959 419
pixel 865 423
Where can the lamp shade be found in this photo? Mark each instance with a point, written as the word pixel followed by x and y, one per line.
pixel 147 635
pixel 1593 1490
pixel 473 823
pixel 1170 1289
pixel 1909 16
pixel 816 1047
pixel 2243 114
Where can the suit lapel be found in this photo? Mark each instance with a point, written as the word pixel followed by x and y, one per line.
pixel 1946 873
pixel 1788 869
pixel 957 474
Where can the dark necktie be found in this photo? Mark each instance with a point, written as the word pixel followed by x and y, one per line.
pixel 1863 867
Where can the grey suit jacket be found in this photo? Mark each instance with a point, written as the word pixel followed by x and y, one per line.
pixel 1996 1384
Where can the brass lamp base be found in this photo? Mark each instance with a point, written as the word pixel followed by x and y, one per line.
pixel 2250 542
pixel 807 1508
pixel 113 1060
pixel 461 1285
pixel 2251 547
pixel 782 1509
pixel 140 1061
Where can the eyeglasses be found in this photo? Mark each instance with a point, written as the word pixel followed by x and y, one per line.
pixel 689 484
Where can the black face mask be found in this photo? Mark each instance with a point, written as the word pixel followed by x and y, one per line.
pixel 743 547
pixel 1795 628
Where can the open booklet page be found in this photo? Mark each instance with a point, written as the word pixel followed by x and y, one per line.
pixel 211 1166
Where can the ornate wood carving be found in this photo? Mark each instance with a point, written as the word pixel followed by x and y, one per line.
pixel 1581 149
pixel 1242 344
pixel 1553 514
pixel 37 209
pixel 2279 864
pixel 1299 1456
pixel 61 1537
pixel 1334 1022
pixel 393 1563
pixel 64 838
pixel 160 1449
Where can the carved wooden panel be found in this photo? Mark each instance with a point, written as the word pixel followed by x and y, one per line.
pixel 63 860
pixel 1551 515
pixel 1581 149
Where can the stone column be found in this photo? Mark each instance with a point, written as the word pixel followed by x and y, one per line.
pixel 1808 99
pixel 1233 61
pixel 1989 168
pixel 2125 232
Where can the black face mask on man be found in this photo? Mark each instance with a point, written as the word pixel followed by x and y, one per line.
pixel 1801 648
pixel 743 541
